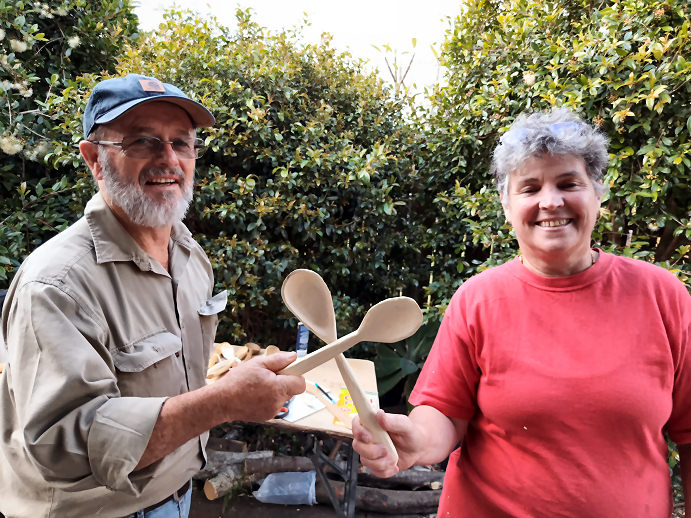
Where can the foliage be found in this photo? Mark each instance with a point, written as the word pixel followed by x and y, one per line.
pixel 309 166
pixel 43 47
pixel 620 64
pixel 313 163
pixel 402 361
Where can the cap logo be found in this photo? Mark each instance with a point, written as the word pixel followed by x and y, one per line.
pixel 151 85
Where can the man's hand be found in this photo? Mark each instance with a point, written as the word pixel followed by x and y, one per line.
pixel 253 391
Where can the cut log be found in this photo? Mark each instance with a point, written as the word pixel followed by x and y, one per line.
pixel 224 482
pixel 271 349
pixel 243 474
pixel 409 479
pixel 386 501
pixel 221 444
pixel 262 466
pixel 223 461
pixel 225 470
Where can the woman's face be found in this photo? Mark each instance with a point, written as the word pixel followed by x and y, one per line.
pixel 553 207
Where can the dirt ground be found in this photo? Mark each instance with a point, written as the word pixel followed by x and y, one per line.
pixel 249 507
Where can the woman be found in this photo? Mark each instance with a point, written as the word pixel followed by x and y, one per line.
pixel 560 370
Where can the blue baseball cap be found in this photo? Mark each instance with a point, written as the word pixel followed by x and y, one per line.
pixel 113 97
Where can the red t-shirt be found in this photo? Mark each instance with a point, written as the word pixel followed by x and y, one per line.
pixel 568 384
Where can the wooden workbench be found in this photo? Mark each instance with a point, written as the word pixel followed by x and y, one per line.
pixel 329 378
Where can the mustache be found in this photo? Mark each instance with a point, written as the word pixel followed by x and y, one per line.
pixel 157 172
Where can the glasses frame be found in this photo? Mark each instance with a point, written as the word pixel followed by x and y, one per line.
pixel 198 147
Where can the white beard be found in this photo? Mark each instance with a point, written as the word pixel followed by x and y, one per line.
pixel 141 209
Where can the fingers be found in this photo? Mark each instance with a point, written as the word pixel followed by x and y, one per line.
pixel 252 391
pixel 278 361
pixel 373 455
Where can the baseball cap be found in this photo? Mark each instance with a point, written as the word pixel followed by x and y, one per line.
pixel 113 97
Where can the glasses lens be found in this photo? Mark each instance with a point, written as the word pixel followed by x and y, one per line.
pixel 141 147
pixel 147 147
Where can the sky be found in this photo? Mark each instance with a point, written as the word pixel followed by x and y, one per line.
pixel 356 26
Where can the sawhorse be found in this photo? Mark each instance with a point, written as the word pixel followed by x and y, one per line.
pixel 348 472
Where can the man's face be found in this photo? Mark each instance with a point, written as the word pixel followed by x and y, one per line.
pixel 154 191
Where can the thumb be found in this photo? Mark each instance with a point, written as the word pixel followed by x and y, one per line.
pixel 278 361
pixel 393 423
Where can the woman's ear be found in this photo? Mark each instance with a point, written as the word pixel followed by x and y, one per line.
pixel 505 206
pixel 89 152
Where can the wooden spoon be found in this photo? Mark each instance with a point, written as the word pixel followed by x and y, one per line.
pixel 307 296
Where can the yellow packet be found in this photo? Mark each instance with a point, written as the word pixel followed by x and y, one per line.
pixel 345 402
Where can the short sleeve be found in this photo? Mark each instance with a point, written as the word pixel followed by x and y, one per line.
pixel 677 316
pixel 450 375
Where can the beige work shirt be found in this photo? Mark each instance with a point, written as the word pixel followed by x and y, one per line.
pixel 98 335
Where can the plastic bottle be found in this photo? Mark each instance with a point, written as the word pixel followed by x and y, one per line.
pixel 303 337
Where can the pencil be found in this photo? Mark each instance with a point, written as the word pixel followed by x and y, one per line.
pixel 324 392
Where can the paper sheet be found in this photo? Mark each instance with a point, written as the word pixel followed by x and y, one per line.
pixel 301 406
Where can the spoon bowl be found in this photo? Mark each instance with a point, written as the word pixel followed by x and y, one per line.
pixel 307 297
pixel 388 321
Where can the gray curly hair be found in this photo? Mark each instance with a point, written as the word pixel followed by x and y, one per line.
pixel 558 131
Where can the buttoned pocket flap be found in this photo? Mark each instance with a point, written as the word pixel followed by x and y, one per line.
pixel 214 305
pixel 145 353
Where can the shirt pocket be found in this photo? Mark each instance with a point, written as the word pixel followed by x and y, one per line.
pixel 208 318
pixel 144 353
pixel 149 367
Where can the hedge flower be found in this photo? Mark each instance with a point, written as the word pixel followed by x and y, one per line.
pixel 529 78
pixel 38 152
pixel 74 42
pixel 2 34
pixel 18 45
pixel 10 144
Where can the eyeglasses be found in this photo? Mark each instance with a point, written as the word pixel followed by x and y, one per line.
pixel 147 147
pixel 558 129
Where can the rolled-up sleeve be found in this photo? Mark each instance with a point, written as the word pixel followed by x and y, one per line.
pixel 118 437
pixel 75 423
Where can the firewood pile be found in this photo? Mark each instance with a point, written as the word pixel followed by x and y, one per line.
pixel 232 469
pixel 225 356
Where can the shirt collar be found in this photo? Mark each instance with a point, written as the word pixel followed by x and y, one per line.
pixel 113 243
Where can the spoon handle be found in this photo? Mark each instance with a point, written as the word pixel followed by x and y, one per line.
pixel 316 358
pixel 364 409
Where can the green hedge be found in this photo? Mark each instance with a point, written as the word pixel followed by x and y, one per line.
pixel 314 163
pixel 43 48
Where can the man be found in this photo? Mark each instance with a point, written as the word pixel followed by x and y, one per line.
pixel 104 410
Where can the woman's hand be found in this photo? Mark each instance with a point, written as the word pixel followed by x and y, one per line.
pixel 412 436
pixel 376 456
